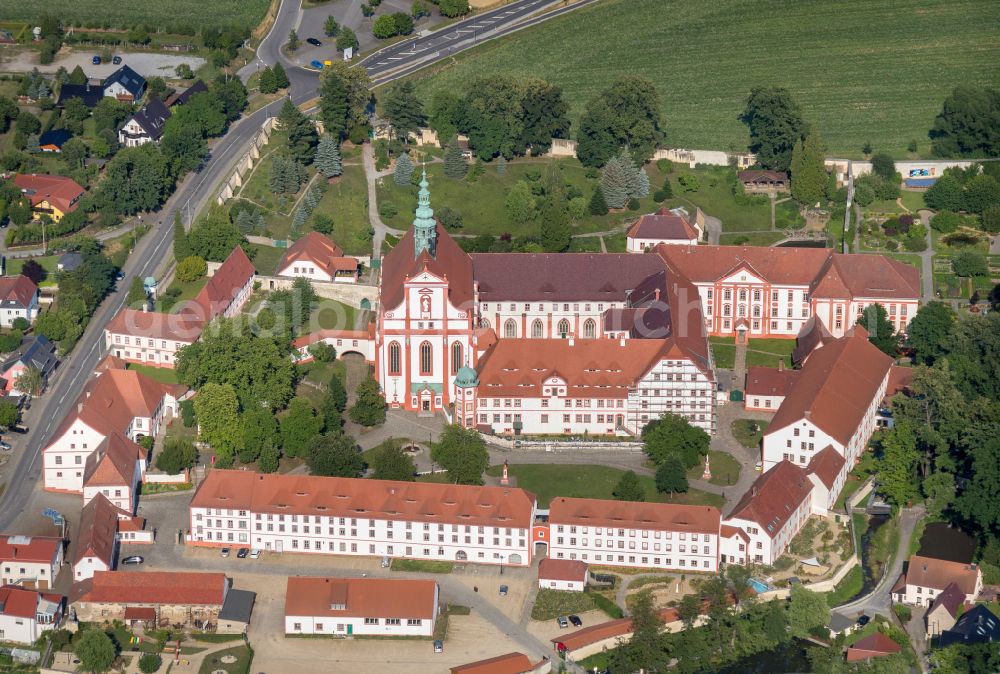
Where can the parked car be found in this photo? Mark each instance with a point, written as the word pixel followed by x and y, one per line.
pixel 242 553
pixel 224 552
pixel 386 562
pixel 314 42
pixel 5 446
pixel 254 554
pixel 18 429
pixel 316 64
pixel 96 60
pixel 575 619
pixel 438 646
pixel 120 276
pixel 503 590
pixel 759 466
pixel 116 60
pixel 563 622
pixel 134 559
pixel 863 620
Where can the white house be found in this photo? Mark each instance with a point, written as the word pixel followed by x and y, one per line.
pixel 30 561
pixel 124 84
pixel 114 470
pixel 766 387
pixel 18 299
pixel 97 540
pixel 26 614
pixel 361 606
pixel 628 534
pixel 925 578
pixel 363 517
pixel 317 258
pixel 671 227
pixel 146 125
pixel 569 575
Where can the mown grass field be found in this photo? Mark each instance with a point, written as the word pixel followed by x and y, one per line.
pixel 155 15
pixel 862 71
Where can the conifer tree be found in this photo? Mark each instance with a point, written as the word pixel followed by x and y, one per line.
pixel 182 250
pixel 555 230
pixel 615 180
pixel 642 189
pixel 299 219
pixel 454 163
pixel 404 170
pixel 597 205
pixel 327 160
pixel 280 77
pixel 278 179
pixel 266 83
pixel 809 178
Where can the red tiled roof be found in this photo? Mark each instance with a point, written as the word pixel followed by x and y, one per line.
pixel 19 602
pixel 873 646
pixel 664 516
pixel 773 497
pixel 900 379
pixel 726 531
pixel 155 587
pixel 756 175
pixel 113 462
pixel 951 598
pixel 319 250
pixel 826 465
pixel 663 225
pixel 40 549
pixel 812 335
pixel 607 630
pixel 835 387
pixel 510 663
pixel 350 497
pixel 562 569
pixel 98 528
pixel 62 192
pixel 223 287
pixel 940 573
pixel 360 597
pixel 178 327
pixel 878 278
pixel 110 362
pixel 18 289
pixel 325 333
pixel 449 262
pixel 769 381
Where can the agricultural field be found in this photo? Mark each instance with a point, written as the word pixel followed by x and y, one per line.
pixel 156 15
pixel 875 71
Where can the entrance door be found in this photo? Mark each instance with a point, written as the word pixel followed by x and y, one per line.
pixel 350 629
pixel 425 405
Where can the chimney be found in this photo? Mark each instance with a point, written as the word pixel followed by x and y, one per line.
pixel 79 408
pixel 657 294
pixel 621 341
pixel 807 413
pixel 753 491
pixel 570 340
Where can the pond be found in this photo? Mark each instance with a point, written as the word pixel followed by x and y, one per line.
pixel 785 659
pixel 941 541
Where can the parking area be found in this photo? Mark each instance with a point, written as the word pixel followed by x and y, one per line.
pixel 145 63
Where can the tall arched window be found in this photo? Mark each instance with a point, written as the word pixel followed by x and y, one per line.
pixel 426 359
pixel 589 328
pixel 394 358
pixel 485 323
pixel 563 328
pixel 456 356
pixel 510 328
pixel 536 328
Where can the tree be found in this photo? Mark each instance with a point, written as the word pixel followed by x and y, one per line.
pixel 216 407
pixel 404 23
pixel 95 650
pixel 519 204
pixel 149 663
pixel 347 39
pixel 267 83
pixel 176 455
pixel 403 171
pixel 455 166
pixel 336 392
pixel 323 352
pixel 967 124
pixel 135 180
pixel 544 114
pixel 898 466
pixel 302 136
pixel 806 610
pixel 330 27
pixel 672 434
pixel 881 333
pixel 334 456
pixel 293 40
pixel 981 192
pixel 327 160
pixel 615 180
pixel 627 113
pixel 555 232
pixel 969 263
pixel 77 76
pixel 260 430
pixel 74 152
pixel 30 381
pixel 671 476
pixel 453 8
pixel 629 488
pixel 136 293
pixel 775 123
pixel 8 414
pixel 390 462
pixel 214 237
pixel 369 404
pixel 929 332
pixel 939 490
pixel 945 194
pixel 884 166
pixel 978 504
pixel 299 425
pixel 644 651
pixel 181 248
pixel 809 178
pixel 334 104
pixel 462 452
pixel 280 76
pixel 384 27
pixel 269 458
pixel 190 269
pixel 597 204
pixel 404 109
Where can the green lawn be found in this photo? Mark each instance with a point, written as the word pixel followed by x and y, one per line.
pixel 847 589
pixel 551 604
pixel 213 663
pixel 723 351
pixel 715 196
pixel 788 216
pixel 725 469
pixel 165 13
pixel 422 565
pixel 744 431
pixel 913 200
pixel 163 375
pixel 266 258
pixel 346 202
pixel 332 315
pixel 874 71
pixel 768 352
pixel 547 481
pixel 188 292
pixel 48 262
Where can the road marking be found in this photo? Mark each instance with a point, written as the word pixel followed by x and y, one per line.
pixel 395 58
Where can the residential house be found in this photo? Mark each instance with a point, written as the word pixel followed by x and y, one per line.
pixel 627 534
pixel 978 625
pixel 361 606
pixel 926 577
pixel 827 471
pixel 509 663
pixel 18 299
pixel 375 518
pixel 667 226
pixel 90 94
pixel 53 140
pixel 162 598
pixel 766 387
pixel 97 539
pixel 146 125
pixel 227 290
pixel 198 87
pixel 770 513
pixel 569 575
pixel 36 352
pixel 30 561
pixel 54 196
pixel 69 261
pixel 316 257
pixel 876 645
pixel 124 84
pixel 944 610
pixel 150 337
pixel 26 614
pixel 115 470
pixel 758 181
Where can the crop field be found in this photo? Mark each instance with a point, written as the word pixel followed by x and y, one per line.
pixel 157 15
pixel 862 71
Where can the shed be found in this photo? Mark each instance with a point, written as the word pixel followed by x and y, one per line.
pixel 234 618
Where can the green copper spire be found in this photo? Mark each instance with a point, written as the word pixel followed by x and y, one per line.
pixel 424 225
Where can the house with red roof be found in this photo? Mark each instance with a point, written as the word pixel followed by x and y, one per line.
pixel 944 610
pixel 97 537
pixel 25 614
pixel 30 561
pixel 666 226
pixel 316 257
pixel 361 606
pixel 873 646
pixel 227 290
pixel 569 575
pixel 54 196
pixel 508 663
pixel 766 387
pixel 160 598
pixel 114 470
pixel 926 577
pixel 18 299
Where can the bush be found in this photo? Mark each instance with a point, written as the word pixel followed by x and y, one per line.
pixel 149 663
pixel 946 221
pixel 387 210
pixel 187 413
pixel 191 269
pixel 665 166
pixel 903 612
pixel 969 263
pixel 633 204
pixel 323 352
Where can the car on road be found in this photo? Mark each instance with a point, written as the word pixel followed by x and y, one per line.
pixel 503 590
pixel 575 619
pixel 759 466
pixel 116 60
pixel 242 553
pixel 120 276
pixel 563 622
pixel 5 446
pixel 254 554
pixel 224 552
pixel 314 42
pixel 96 60
pixel 134 559
pixel 316 64
pixel 438 646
